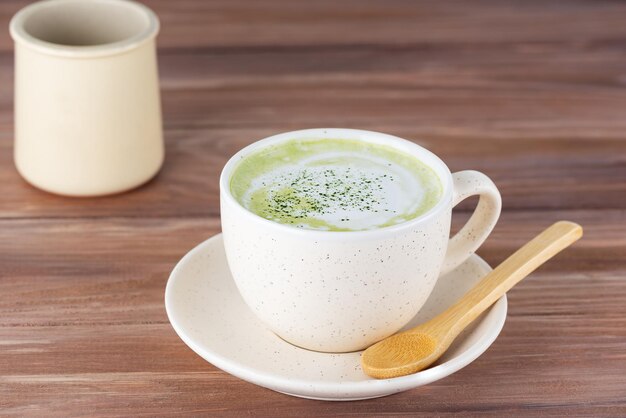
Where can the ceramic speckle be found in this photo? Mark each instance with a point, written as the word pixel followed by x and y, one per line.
pixel 208 313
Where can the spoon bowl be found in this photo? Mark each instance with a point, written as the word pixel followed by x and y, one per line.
pixel 401 354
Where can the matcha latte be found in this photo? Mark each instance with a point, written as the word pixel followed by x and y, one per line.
pixel 334 184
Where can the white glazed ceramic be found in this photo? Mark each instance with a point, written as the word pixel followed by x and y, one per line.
pixel 208 313
pixel 87 104
pixel 343 291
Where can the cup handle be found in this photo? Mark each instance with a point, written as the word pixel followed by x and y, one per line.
pixel 477 229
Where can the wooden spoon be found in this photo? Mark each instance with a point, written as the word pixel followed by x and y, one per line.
pixel 415 349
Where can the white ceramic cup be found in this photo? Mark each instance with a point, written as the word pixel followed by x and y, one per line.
pixel 87 104
pixel 343 291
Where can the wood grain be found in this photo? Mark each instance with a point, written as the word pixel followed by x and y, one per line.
pixel 85 327
pixel 531 93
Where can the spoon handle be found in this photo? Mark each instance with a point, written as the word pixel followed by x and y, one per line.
pixel 495 284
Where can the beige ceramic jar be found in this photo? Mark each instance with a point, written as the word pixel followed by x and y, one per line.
pixel 87 104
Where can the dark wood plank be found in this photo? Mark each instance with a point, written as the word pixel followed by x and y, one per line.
pixel 226 24
pixel 531 173
pixel 86 321
pixel 494 110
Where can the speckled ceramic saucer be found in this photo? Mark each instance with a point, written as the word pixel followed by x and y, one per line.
pixel 208 314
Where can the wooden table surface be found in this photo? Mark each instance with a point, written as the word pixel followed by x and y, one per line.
pixel 532 93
